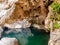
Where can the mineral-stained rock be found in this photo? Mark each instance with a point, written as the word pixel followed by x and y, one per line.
pixel 6 9
pixel 34 10
pixel 9 41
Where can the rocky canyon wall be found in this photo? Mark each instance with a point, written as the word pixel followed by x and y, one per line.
pixel 33 10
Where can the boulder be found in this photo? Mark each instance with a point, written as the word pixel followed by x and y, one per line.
pixel 9 41
pixel 6 9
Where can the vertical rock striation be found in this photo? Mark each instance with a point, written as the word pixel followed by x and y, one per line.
pixel 6 9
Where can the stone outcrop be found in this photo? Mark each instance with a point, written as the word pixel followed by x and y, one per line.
pixel 52 23
pixel 6 9
pixel 54 37
pixel 9 41
pixel 33 10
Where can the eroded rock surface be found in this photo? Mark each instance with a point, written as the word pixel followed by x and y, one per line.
pixel 33 10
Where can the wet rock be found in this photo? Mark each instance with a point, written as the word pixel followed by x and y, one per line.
pixel 9 41
pixel 31 10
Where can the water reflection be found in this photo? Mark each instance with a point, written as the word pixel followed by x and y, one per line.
pixel 25 36
pixel 21 34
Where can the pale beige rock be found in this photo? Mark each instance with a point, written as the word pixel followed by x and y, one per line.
pixel 48 21
pixel 9 41
pixel 6 9
pixel 19 24
pixel 54 37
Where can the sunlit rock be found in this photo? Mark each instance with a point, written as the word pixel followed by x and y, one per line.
pixel 19 24
pixel 38 26
pixel 6 9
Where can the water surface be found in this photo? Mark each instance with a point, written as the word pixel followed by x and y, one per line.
pixel 39 38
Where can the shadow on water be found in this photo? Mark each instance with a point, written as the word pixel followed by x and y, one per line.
pixel 40 37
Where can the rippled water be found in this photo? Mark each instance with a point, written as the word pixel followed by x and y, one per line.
pixel 39 38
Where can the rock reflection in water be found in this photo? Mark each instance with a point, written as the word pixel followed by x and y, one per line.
pixel 21 34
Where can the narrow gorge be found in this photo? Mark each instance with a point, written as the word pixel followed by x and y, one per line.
pixel 29 22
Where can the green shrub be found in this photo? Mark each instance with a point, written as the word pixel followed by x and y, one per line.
pixel 58 17
pixel 52 17
pixel 56 25
pixel 55 6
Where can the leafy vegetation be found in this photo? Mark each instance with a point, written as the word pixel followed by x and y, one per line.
pixel 55 18
pixel 56 25
pixel 55 6
pixel 52 17
pixel 58 17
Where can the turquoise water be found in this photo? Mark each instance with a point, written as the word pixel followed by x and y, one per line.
pixel 39 38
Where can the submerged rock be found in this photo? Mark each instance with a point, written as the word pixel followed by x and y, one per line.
pixel 9 41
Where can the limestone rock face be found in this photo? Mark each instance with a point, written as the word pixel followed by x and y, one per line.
pixel 54 37
pixel 35 11
pixel 9 41
pixel 31 10
pixel 6 9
